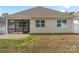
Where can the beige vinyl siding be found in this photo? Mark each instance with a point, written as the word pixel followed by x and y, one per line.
pixel 50 17
pixel 51 26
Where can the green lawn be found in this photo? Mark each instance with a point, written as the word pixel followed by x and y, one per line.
pixel 15 45
pixel 42 43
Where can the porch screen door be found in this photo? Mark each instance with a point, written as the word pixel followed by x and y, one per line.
pixel 25 26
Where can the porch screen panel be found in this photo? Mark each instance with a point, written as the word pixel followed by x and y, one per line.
pixel 11 26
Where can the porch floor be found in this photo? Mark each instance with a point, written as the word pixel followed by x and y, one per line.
pixel 13 36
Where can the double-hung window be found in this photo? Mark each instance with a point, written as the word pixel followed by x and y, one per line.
pixel 61 23
pixel 40 23
pixel 20 24
pixel 37 23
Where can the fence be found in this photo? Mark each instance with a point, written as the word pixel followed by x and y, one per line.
pixel 2 30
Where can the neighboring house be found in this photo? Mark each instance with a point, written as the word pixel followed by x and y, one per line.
pixel 77 15
pixel 2 21
pixel 39 20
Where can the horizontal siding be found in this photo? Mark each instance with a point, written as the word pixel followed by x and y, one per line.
pixel 51 27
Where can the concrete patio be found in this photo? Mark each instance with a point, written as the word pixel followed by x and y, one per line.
pixel 13 36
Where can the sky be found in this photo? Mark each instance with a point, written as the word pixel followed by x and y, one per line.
pixel 13 6
pixel 14 9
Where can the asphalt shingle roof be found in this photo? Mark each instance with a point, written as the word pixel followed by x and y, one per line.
pixel 41 12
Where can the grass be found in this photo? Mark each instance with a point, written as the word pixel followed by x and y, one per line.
pixel 42 43
pixel 7 45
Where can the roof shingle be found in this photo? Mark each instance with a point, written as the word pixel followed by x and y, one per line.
pixel 41 12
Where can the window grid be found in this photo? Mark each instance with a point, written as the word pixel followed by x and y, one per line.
pixel 60 23
pixel 40 23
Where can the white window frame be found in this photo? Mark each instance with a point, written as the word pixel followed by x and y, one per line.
pixel 62 24
pixel 39 24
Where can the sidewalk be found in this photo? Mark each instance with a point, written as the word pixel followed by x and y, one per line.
pixel 13 36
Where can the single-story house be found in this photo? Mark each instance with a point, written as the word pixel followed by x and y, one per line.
pixel 40 20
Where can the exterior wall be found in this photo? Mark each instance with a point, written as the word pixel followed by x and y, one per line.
pixel 51 27
pixel 76 26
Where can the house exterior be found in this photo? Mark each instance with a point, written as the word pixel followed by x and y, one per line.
pixel 77 15
pixel 39 20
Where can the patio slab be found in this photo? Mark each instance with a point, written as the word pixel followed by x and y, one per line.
pixel 13 36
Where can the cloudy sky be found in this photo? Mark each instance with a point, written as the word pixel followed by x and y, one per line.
pixel 14 9
pixel 13 6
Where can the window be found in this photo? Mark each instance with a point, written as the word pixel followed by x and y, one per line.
pixel 61 23
pixel 24 24
pixel 20 24
pixel 40 23
pixel 58 23
pixel 37 23
pixel 64 21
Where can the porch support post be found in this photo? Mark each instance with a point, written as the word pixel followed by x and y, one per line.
pixel 15 27
pixel 6 26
